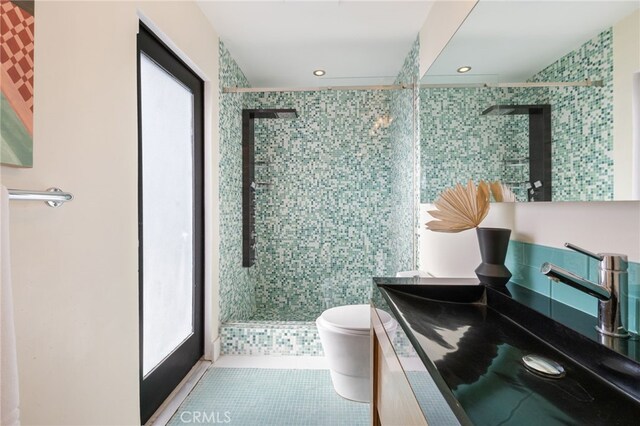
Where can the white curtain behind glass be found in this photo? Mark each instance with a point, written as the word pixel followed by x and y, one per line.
pixel 167 191
pixel 635 123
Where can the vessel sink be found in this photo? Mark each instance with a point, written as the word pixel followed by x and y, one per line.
pixel 472 340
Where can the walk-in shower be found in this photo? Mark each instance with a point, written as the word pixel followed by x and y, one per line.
pixel 316 201
pixel 312 207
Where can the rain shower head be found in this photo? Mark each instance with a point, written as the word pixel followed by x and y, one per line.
pixel 287 113
pixel 499 110
pixel 512 110
pixel 274 113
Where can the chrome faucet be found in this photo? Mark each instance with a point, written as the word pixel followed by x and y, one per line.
pixel 611 289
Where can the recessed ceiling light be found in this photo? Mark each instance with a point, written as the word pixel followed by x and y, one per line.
pixel 464 69
pixel 319 73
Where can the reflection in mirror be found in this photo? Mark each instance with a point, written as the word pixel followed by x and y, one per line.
pixel 589 148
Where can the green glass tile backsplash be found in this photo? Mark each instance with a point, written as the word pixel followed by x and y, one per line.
pixel 524 261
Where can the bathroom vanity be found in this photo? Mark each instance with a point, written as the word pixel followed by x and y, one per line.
pixel 457 358
pixel 392 400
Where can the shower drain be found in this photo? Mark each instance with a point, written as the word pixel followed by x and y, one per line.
pixel 544 367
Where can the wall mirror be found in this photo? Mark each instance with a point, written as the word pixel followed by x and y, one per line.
pixel 487 123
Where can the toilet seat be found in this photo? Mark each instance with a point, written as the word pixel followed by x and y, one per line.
pixel 352 319
pixel 345 335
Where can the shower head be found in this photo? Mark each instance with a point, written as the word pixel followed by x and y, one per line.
pixel 286 113
pixel 499 110
pixel 273 113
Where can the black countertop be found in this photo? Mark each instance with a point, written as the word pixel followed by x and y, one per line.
pixel 470 340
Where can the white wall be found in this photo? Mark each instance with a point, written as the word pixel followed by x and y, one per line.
pixel 75 269
pixel 626 62
pixel 612 226
pixel 457 255
pixel 443 20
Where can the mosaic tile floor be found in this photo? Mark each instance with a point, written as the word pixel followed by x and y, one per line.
pixel 270 397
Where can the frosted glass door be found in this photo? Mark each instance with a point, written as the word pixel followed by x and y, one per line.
pixel 171 220
pixel 167 177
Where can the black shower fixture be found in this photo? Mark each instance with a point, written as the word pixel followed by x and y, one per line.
pixel 249 183
pixel 539 145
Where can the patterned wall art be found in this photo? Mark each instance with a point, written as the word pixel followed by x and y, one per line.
pixel 16 82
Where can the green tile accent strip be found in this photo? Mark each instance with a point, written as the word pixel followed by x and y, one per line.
pixel 270 397
pixel 524 261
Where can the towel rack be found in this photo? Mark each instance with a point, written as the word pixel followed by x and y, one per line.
pixel 53 197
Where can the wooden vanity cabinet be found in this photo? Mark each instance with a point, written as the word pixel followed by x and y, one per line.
pixel 392 399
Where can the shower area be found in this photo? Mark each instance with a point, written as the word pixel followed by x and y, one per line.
pixel 330 201
pixel 542 142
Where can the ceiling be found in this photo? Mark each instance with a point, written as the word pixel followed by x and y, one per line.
pixel 511 41
pixel 281 43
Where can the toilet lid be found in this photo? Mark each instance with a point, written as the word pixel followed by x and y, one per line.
pixel 353 317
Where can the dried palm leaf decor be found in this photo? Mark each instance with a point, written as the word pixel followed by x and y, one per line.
pixel 502 193
pixel 496 191
pixel 465 207
pixel 460 208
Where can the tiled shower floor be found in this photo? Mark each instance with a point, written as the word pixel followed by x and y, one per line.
pixel 280 314
pixel 275 397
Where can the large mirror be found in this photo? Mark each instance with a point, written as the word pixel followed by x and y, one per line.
pixel 568 141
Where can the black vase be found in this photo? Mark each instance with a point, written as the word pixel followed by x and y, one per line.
pixel 494 243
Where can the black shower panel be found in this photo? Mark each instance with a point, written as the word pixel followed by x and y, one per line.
pixel 539 146
pixel 249 183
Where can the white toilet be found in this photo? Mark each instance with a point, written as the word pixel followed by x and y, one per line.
pixel 345 336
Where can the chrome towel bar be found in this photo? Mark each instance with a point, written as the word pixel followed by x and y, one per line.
pixel 54 197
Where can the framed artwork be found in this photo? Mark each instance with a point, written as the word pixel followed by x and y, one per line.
pixel 16 82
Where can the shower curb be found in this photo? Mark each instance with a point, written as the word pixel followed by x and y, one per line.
pixel 286 338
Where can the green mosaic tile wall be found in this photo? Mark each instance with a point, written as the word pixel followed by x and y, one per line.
pixel 237 285
pixel 457 143
pixel 324 223
pixel 582 121
pixel 321 224
pixel 524 261
pixel 405 160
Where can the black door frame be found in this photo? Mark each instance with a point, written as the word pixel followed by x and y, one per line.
pixel 159 383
